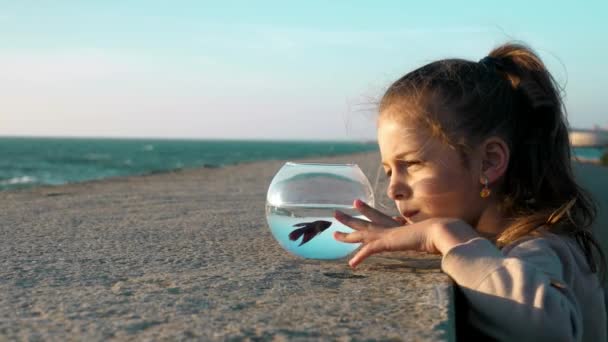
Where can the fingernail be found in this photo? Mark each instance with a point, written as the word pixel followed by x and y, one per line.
pixel 338 214
pixel 359 203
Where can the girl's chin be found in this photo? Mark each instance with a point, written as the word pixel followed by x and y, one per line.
pixel 413 218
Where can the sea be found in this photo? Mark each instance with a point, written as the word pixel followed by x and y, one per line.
pixel 30 162
pixel 589 154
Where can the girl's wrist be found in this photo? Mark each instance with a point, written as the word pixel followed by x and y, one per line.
pixel 449 233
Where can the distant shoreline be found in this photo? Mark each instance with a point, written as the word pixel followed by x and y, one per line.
pixel 592 161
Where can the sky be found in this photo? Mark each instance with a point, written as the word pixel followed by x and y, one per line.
pixel 286 70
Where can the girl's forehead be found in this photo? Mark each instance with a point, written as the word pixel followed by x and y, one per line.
pixel 397 139
pixel 393 131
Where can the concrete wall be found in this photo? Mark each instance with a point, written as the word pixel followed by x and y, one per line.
pixel 594 178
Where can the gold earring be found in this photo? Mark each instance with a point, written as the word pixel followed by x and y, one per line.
pixel 485 192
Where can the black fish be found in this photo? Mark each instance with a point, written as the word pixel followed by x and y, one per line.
pixel 309 230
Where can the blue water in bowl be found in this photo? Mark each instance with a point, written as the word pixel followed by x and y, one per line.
pixel 322 246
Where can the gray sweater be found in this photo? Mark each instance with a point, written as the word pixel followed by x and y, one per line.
pixel 535 289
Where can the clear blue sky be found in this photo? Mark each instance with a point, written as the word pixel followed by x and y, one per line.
pixel 265 69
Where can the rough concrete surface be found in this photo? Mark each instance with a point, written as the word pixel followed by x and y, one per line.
pixel 188 255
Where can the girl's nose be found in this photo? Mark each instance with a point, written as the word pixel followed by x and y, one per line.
pixel 398 190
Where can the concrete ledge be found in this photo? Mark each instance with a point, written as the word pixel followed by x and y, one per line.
pixel 188 255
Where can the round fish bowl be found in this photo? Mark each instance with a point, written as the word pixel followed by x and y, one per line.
pixel 300 205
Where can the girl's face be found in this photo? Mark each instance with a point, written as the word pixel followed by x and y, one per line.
pixel 427 177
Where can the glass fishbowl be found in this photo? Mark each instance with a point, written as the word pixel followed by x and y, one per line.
pixel 300 205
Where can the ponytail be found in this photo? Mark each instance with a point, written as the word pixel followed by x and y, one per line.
pixel 562 205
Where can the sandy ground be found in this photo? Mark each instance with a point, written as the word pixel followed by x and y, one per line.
pixel 188 255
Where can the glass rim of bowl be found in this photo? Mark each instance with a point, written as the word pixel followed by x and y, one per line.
pixel 325 164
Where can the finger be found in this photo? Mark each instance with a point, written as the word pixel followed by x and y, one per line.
pixel 367 250
pixel 353 237
pixel 352 222
pixel 400 219
pixel 374 215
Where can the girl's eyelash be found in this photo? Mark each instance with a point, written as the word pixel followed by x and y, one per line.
pixel 407 163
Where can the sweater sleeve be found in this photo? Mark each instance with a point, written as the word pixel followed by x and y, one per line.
pixel 520 296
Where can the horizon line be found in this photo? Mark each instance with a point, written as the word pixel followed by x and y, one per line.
pixel 186 138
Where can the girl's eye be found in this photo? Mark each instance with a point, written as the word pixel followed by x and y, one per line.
pixel 409 163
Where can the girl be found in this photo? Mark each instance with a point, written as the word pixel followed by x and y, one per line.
pixel 478 158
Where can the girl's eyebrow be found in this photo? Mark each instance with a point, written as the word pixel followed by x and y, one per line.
pixel 398 156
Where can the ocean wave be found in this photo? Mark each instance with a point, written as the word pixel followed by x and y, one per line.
pixel 37 161
pixel 97 156
pixel 19 180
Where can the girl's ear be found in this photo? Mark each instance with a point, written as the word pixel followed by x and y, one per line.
pixel 494 153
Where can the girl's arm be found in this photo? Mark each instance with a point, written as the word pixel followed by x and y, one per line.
pixel 512 297
pixel 426 236
pixel 518 295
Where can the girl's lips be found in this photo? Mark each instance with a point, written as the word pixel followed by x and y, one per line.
pixel 410 213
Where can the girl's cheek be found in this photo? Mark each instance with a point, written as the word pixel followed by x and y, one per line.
pixel 437 197
pixel 430 187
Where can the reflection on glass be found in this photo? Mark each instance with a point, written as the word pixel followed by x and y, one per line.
pixel 301 201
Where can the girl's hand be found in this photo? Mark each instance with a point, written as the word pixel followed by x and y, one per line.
pixel 377 217
pixel 434 235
